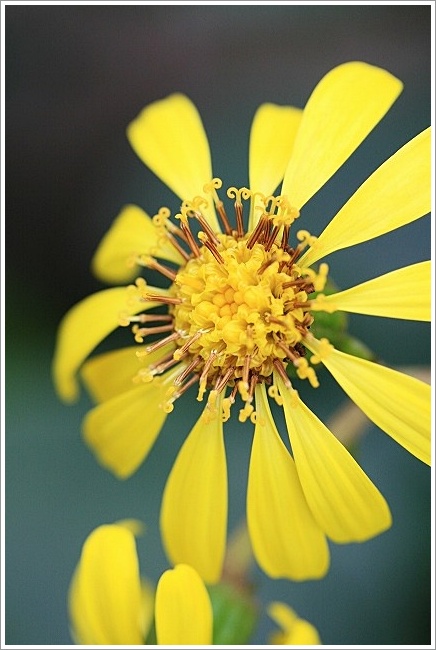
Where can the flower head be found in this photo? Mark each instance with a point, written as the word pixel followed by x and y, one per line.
pixel 235 325
pixel 109 603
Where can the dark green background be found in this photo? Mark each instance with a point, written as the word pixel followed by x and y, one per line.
pixel 75 77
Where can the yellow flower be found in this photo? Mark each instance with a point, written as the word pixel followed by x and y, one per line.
pixel 295 630
pixel 238 315
pixel 109 604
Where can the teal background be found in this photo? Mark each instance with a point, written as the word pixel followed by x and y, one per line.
pixel 75 77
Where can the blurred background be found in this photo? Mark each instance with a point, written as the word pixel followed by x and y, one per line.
pixel 75 77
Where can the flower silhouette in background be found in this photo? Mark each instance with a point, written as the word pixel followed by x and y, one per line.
pixel 109 603
pixel 237 324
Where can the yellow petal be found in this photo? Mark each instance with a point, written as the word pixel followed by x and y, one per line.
pixel 105 598
pixel 83 327
pixel 122 430
pixel 272 138
pixel 183 608
pixel 132 234
pixel 287 542
pixel 404 293
pixel 194 506
pixel 345 503
pixel 397 193
pixel 111 373
pixel 342 110
pixel 395 402
pixel 169 137
pixel 295 630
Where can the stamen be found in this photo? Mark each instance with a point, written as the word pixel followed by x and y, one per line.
pixel 162 366
pixel 211 188
pixel 160 344
pixel 211 246
pixel 223 379
pixel 285 237
pixel 150 318
pixel 152 263
pixel 290 354
pixel 152 297
pixel 257 232
pixel 272 237
pixel 141 332
pixel 177 246
pixel 189 368
pixel 213 355
pixel 185 347
pixel 234 193
pixel 185 387
pixel 295 254
pixel 278 365
pixel 189 237
pixel 207 229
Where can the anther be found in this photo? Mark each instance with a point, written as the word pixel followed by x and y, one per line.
pixel 177 246
pixel 278 365
pixel 223 379
pixel 189 368
pixel 211 188
pixel 211 246
pixel 271 238
pixel 190 239
pixel 257 232
pixel 160 344
pixel 152 263
pixel 152 297
pixel 185 347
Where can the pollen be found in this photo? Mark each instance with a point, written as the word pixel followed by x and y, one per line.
pixel 239 307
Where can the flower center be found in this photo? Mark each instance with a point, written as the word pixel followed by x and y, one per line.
pixel 238 309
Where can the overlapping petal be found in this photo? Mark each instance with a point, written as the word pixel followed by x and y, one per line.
pixel 132 234
pixel 83 327
pixel 169 137
pixel 404 293
pixel 287 541
pixel 397 193
pixel 183 608
pixel 122 430
pixel 294 630
pixel 342 110
pixel 111 373
pixel 105 597
pixel 345 503
pixel 272 138
pixel 395 402
pixel 194 505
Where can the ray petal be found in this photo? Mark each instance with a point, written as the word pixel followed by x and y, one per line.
pixel 395 402
pixel 105 596
pixel 111 373
pixel 83 327
pixel 346 504
pixel 404 293
pixel 131 234
pixel 396 194
pixel 272 139
pixel 342 110
pixel 169 137
pixel 294 630
pixel 194 505
pixel 287 542
pixel 122 430
pixel 183 608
